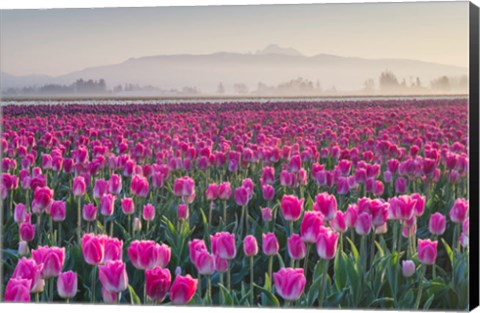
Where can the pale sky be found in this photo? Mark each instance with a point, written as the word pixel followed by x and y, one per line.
pixel 59 41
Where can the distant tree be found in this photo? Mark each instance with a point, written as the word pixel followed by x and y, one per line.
pixel 388 80
pixel 418 83
pixel 240 88
pixel 369 85
pixel 220 89
pixel 441 83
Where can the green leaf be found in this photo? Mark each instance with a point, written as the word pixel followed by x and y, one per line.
pixel 340 270
pixel 312 294
pixel 269 298
pixel 134 299
pixel 353 248
pixel 427 304
pixel 449 251
pixel 280 260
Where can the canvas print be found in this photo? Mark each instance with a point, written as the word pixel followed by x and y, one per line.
pixel 295 156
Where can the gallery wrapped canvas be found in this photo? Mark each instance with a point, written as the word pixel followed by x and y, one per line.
pixel 296 156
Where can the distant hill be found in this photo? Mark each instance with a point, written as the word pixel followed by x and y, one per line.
pixel 271 66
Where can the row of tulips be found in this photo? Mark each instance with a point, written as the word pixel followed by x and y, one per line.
pixel 371 197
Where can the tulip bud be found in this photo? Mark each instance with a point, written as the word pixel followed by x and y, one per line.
pixel 289 283
pixel 437 224
pixel 270 244
pixel 408 268
pixel 23 249
pixel 67 285
pixel 250 246
pixel 183 289
pixel 296 247
pixel 427 251
pixel 266 214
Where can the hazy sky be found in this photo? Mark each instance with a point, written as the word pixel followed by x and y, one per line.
pixel 59 41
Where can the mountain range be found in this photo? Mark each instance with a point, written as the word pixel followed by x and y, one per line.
pixel 271 65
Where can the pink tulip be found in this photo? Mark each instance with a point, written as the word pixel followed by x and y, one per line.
pixel 89 212
pixel 400 185
pixel 28 269
pixel 107 204
pixel 128 207
pixel 327 244
pixel 212 192
pixel 52 260
pixel 464 240
pixel 113 276
pixel 146 254
pixel 437 224
pixel 23 249
pixel 42 199
pixel 351 215
pixel 18 290
pixel 459 210
pixel 338 223
pixel 268 192
pixel 427 251
pixel 270 244
pixel 113 249
pixel 79 186
pixel 115 184
pixel 184 187
pixel 224 191
pixel 183 289
pixel 241 196
pixel 223 244
pixel 221 265
pixel 250 246
pixel 408 268
pixel 27 230
pixel 67 285
pixel 326 204
pixel 405 206
pixel 419 205
pixel 296 247
pixel 109 297
pixel 100 188
pixel 466 226
pixel 183 212
pixel 157 281
pixel 291 208
pixel 20 213
pixel 311 226
pixel 205 263
pixel 148 212
pixel 268 175
pixel 266 214
pixel 195 246
pixel 139 186
pixel 58 211
pixel 93 248
pixel 289 283
pixel 363 225
pixel 379 210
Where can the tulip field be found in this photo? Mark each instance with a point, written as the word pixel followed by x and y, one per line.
pixel 299 203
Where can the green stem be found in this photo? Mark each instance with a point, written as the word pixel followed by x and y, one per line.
pixel 372 248
pixel 228 277
pixel 305 264
pixel 324 282
pixel 251 281
pixel 209 289
pixel 94 277
pixel 199 285
pixel 50 292
pixel 270 267
pixel 420 287
pixel 225 212
pixel 79 219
